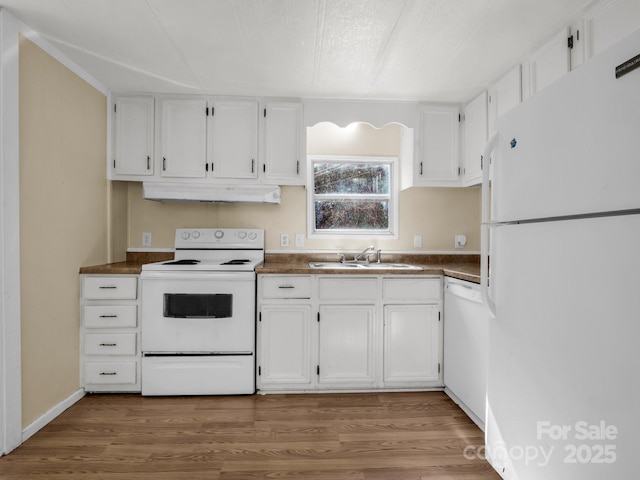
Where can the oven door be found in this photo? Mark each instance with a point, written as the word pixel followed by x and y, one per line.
pixel 198 312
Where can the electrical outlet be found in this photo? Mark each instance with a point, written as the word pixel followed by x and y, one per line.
pixel 417 241
pixel 299 240
pixel 284 239
pixel 460 241
pixel 146 239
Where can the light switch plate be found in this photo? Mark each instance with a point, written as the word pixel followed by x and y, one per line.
pixel 299 240
pixel 417 241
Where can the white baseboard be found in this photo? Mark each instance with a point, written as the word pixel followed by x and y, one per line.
pixel 43 420
pixel 478 421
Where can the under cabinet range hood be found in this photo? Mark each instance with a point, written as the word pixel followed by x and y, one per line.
pixel 208 193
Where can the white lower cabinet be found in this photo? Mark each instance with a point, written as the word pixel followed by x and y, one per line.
pixel 349 332
pixel 284 349
pixel 346 346
pixel 411 345
pixel 110 333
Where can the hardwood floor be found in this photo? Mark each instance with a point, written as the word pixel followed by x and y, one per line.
pixel 384 436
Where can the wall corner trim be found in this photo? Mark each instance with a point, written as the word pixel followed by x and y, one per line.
pixel 44 44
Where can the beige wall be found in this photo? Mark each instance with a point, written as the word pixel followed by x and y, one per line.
pixel 435 213
pixel 63 220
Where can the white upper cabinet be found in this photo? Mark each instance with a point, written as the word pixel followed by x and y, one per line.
pixel 504 94
pixel 439 150
pixel 554 58
pixel 233 139
pixel 609 21
pixel 475 135
pixel 183 137
pixel 284 159
pixel 133 124
pixel 433 160
pixel 548 62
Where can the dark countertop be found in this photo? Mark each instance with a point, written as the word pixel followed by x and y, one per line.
pixel 131 266
pixel 463 267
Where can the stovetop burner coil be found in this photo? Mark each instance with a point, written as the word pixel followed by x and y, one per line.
pixel 183 262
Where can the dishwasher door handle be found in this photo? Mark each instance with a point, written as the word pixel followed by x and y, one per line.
pixel 465 292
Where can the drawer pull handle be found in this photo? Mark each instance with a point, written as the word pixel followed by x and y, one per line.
pixel 286 286
pixel 108 373
pixel 108 316
pixel 108 287
pixel 108 344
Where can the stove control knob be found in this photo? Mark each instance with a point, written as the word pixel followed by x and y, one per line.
pixel 252 236
pixel 218 234
pixel 185 235
pixel 242 235
pixel 195 234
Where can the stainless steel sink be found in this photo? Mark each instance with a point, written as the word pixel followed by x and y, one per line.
pixel 362 266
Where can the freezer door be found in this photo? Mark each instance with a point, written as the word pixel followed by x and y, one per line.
pixel 565 349
pixel 574 147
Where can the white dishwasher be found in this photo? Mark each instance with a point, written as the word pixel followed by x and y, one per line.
pixel 466 347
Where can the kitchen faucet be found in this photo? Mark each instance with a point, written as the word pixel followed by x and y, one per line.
pixel 357 258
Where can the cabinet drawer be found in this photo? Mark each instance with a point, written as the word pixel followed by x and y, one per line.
pixel 110 373
pixel 110 287
pixel 110 316
pixel 286 287
pixel 342 288
pixel 422 289
pixel 110 344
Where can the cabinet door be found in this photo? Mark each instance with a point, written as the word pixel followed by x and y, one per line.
pixel 608 22
pixel 475 134
pixel 549 62
pixel 133 136
pixel 411 344
pixel 284 346
pixel 283 159
pixel 346 346
pixel 504 94
pixel 233 139
pixel 437 163
pixel 183 137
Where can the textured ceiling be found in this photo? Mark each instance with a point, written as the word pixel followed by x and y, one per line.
pixel 431 50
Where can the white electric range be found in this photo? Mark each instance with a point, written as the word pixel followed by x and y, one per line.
pixel 198 314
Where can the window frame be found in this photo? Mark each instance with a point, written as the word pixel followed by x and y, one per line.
pixel 390 233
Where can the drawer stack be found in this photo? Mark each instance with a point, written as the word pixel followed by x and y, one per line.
pixel 110 340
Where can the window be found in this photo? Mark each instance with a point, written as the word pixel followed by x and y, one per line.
pixel 352 196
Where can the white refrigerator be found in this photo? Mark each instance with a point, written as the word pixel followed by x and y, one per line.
pixel 563 389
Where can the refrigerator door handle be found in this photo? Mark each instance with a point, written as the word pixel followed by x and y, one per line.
pixel 487 297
